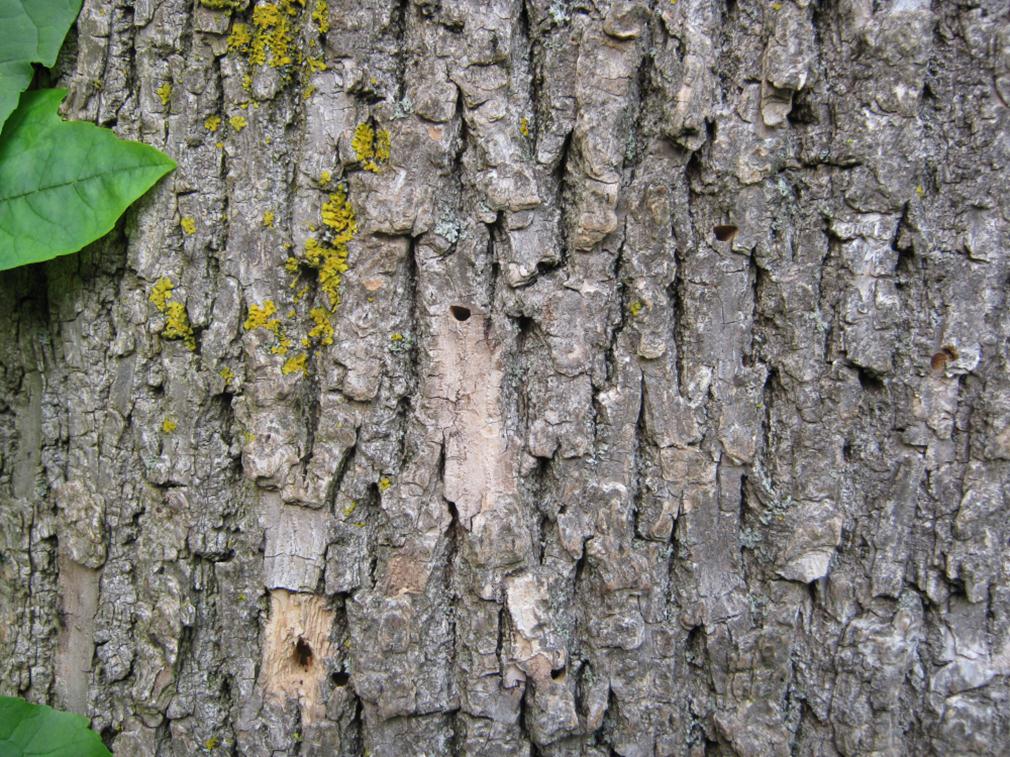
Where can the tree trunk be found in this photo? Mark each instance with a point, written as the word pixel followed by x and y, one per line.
pixel 665 408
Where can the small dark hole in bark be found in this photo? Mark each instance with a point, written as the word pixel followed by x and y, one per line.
pixel 340 679
pixel 303 654
pixel 459 312
pixel 525 324
pixel 870 381
pixel 557 673
pixel 724 232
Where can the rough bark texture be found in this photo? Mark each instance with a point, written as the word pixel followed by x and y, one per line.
pixel 667 409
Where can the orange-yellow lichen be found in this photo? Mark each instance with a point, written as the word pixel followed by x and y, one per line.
pixel 384 484
pixel 164 92
pixel 321 16
pixel 370 148
pixel 168 426
pixel 323 329
pixel 177 326
pixel 261 317
pixel 524 126
pixel 188 224
pixel 324 178
pixel 238 123
pixel 273 34
pixel 268 219
pixel 212 124
pixel 295 363
pixel 338 215
pixel 240 38
pixel 227 374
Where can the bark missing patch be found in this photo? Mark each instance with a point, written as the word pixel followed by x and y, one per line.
pixel 297 639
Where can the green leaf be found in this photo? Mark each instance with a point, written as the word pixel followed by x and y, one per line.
pixel 30 32
pixel 64 184
pixel 34 730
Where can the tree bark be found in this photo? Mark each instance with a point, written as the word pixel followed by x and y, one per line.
pixel 666 406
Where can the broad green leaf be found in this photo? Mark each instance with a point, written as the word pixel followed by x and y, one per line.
pixel 34 730
pixel 31 31
pixel 64 184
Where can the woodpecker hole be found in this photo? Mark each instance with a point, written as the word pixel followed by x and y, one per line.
pixel 459 312
pixel 724 232
pixel 303 654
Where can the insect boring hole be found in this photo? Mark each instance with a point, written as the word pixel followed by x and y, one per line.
pixel 303 654
pixel 459 312
pixel 725 232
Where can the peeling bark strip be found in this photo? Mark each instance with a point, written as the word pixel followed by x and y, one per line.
pixel 568 378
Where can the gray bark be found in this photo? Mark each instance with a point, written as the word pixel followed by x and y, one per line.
pixel 667 409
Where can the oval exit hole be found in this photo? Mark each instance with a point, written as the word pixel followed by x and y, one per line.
pixel 724 232
pixel 459 312
pixel 303 654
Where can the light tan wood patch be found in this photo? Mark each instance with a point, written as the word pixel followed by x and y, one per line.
pixel 297 641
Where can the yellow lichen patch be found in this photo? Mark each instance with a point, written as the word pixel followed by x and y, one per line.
pixel 524 126
pixel 164 92
pixel 238 123
pixel 268 219
pixel 262 317
pixel 308 91
pixel 272 34
pixel 211 744
pixel 324 178
pixel 212 124
pixel 323 328
pixel 350 508
pixel 396 337
pixel 223 5
pixel 227 374
pixel 370 148
pixel 177 324
pixel 315 65
pixel 635 308
pixel 384 484
pixel 240 38
pixel 321 16
pixel 168 426
pixel 338 216
pixel 161 293
pixel 246 82
pixel 188 224
pixel 295 363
